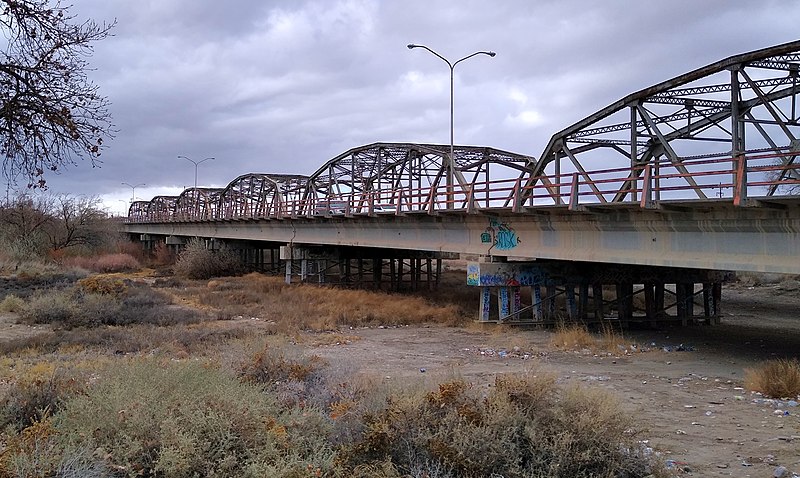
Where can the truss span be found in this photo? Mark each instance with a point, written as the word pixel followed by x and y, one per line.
pixel 743 104
pixel 367 180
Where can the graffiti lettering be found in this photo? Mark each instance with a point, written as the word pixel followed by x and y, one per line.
pixel 506 240
pixel 500 235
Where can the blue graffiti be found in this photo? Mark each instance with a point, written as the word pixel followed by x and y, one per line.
pixel 500 235
pixel 506 240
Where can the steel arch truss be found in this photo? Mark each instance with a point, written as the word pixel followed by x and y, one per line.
pixel 262 196
pixel 162 208
pixel 197 204
pixel 697 135
pixel 137 212
pixel 403 177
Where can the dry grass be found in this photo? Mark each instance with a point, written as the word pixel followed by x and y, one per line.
pixel 579 338
pixel 12 303
pixel 775 378
pixel 117 262
pixel 573 337
pixel 309 307
pixel 176 341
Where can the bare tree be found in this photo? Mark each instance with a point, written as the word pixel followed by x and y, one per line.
pixel 25 216
pixel 76 221
pixel 51 114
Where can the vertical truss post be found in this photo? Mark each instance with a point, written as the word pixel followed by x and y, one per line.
pixel 558 178
pixel 516 203
pixel 399 205
pixel 647 188
pixel 737 152
pixel 471 200
pixel 431 205
pixel 573 193
pixel 634 155
pixel 740 182
pixel 371 203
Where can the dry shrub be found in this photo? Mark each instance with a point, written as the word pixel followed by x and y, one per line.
pixel 102 285
pixel 53 307
pixel 272 364
pixel 578 338
pixel 12 303
pixel 197 262
pixel 137 338
pixel 104 263
pixel 186 419
pixel 35 452
pixel 131 248
pixel 571 337
pixel 310 307
pixel 525 426
pixel 775 378
pixel 613 340
pixel 37 393
pixel 103 301
pixel 163 255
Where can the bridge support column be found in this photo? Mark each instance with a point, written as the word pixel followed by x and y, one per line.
pixel 650 303
pixel 550 293
pixel 503 304
pixel 485 304
pixel 548 280
pixel 572 307
pixel 712 294
pixel 536 303
pixel 583 300
pixel 684 301
pixel 597 293
pixel 625 302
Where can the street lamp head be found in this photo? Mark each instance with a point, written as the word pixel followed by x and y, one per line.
pixel 491 53
pixel 411 46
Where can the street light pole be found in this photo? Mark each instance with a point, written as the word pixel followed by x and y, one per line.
pixel 451 166
pixel 133 189
pixel 196 164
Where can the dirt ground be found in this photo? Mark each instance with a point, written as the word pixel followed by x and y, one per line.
pixel 685 389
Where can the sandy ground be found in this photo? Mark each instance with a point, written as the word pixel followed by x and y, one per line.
pixel 690 402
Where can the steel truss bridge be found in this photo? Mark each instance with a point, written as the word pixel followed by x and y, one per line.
pixel 699 171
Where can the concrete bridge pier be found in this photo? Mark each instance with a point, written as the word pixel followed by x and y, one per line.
pixel 562 291
pixel 387 269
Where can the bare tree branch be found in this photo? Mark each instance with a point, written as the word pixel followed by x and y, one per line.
pixel 51 114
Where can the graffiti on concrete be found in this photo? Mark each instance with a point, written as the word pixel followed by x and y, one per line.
pixel 500 235
pixel 499 274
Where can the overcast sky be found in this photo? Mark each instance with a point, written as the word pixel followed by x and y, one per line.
pixel 281 86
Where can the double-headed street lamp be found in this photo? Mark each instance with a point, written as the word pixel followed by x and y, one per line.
pixel 452 162
pixel 196 164
pixel 133 189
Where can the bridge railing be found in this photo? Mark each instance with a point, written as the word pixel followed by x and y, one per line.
pixel 765 174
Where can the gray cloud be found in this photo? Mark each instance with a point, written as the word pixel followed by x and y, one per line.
pixel 282 86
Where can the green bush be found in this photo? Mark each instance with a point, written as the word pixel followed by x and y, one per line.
pixel 198 262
